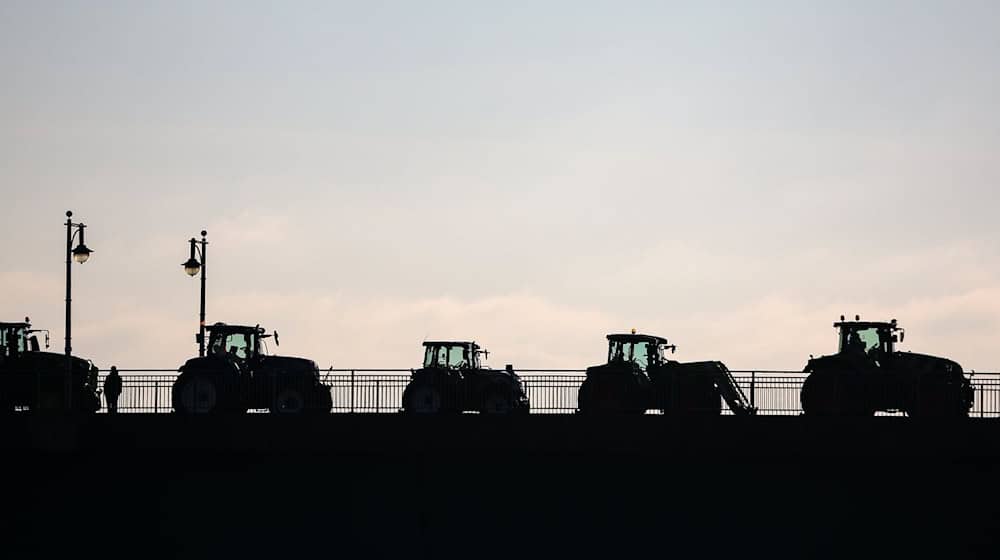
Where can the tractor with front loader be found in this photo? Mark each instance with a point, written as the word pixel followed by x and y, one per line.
pixel 638 377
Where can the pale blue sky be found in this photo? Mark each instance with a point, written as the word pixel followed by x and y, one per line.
pixel 732 175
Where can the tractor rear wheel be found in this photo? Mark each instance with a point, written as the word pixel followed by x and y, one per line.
pixel 196 395
pixel 423 398
pixel 6 404
pixel 321 401
pixel 610 396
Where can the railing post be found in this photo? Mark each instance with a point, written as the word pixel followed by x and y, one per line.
pixel 352 391
pixel 378 393
pixel 753 389
pixel 156 396
pixel 981 399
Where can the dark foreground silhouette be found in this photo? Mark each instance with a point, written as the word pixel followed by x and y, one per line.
pixel 478 486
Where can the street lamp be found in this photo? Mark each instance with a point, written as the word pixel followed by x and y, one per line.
pixel 192 267
pixel 80 254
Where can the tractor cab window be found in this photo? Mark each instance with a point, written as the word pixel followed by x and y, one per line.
pixel 616 352
pixel 458 357
pixel 12 342
pixel 869 341
pixel 445 357
pixel 658 353
pixel 430 356
pixel 237 345
pixel 637 352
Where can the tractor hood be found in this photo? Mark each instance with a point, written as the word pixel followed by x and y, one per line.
pixel 614 368
pixel 914 360
pixel 291 365
pixel 210 363
pixel 820 361
pixel 282 363
pixel 45 361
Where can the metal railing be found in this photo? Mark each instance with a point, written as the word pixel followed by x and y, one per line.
pixel 550 391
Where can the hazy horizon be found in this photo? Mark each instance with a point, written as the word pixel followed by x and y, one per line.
pixel 731 176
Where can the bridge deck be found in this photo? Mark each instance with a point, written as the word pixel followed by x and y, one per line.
pixel 472 486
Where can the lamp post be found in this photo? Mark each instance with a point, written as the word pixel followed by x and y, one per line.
pixel 192 267
pixel 80 254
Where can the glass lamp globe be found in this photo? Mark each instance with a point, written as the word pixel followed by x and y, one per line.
pixel 81 254
pixel 191 267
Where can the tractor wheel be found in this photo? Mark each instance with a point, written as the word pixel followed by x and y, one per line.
pixel 6 405
pixel 609 400
pixel 49 401
pixel 423 398
pixel 831 393
pixel 321 401
pixel 87 403
pixel 938 402
pixel 289 401
pixel 608 397
pixel 497 401
pixel 196 395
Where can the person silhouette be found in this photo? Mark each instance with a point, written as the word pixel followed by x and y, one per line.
pixel 854 343
pixel 112 390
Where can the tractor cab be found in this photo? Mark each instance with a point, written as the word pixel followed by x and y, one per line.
pixel 240 343
pixel 33 379
pixel 452 355
pixel 643 350
pixel 19 338
pixel 869 375
pixel 453 380
pixel 874 340
pixel 239 374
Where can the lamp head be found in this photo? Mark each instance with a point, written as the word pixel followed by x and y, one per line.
pixel 192 266
pixel 82 253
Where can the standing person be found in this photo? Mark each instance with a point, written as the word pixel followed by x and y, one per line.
pixel 112 389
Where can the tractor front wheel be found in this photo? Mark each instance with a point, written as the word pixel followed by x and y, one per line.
pixel 834 393
pixel 497 401
pixel 423 398
pixel 289 401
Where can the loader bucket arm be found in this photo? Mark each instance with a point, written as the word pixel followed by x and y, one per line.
pixel 731 392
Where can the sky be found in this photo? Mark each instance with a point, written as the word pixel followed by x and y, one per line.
pixel 733 176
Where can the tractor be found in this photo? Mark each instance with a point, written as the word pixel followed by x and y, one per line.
pixel 638 377
pixel 238 375
pixel 868 374
pixel 41 381
pixel 452 380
